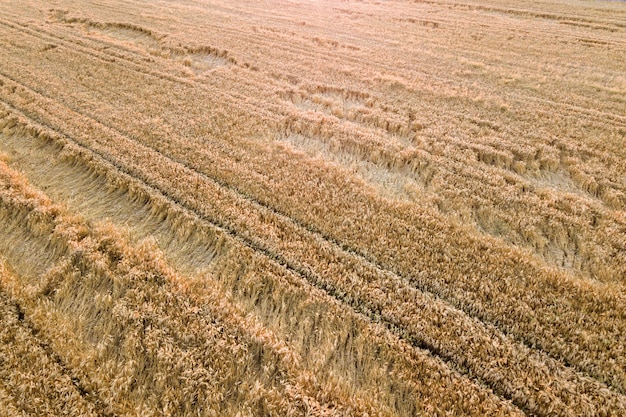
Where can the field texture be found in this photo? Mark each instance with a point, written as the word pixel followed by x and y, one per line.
pixel 285 207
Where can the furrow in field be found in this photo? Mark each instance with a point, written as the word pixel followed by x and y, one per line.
pixel 93 196
pixel 431 343
pixel 245 188
pixel 32 375
pixel 302 54
pixel 30 357
pixel 158 67
pixel 141 63
pixel 256 104
pixel 560 258
pixel 463 305
pixel 530 13
pixel 102 308
pixel 611 196
pixel 398 364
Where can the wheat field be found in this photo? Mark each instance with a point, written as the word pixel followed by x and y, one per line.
pixel 312 208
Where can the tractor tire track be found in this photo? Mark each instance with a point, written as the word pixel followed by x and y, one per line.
pixel 314 279
pixel 15 312
pixel 110 56
pixel 320 236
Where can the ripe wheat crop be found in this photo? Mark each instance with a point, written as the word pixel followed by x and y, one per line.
pixel 313 208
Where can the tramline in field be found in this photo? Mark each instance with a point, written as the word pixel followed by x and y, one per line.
pixel 312 208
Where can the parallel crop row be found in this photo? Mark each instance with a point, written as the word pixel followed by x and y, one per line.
pixel 386 209
pixel 429 323
pixel 328 346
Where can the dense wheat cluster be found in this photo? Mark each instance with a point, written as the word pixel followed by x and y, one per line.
pixel 301 207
